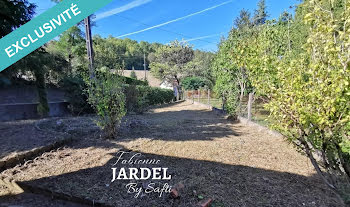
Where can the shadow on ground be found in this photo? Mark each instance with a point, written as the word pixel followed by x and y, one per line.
pixel 21 136
pixel 182 125
pixel 228 185
pixel 83 170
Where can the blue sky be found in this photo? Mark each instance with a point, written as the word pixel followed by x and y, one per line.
pixel 136 15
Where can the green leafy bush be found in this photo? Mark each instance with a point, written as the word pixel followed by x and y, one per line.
pixel 75 87
pixel 75 93
pixel 157 96
pixel 133 75
pixel 105 94
pixel 131 81
pixel 138 98
pixel 307 83
pixel 133 97
pixel 43 106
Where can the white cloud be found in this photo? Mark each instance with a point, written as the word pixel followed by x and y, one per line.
pixel 121 9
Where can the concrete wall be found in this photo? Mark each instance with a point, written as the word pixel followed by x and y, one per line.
pixel 21 111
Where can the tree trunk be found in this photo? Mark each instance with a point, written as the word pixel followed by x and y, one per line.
pixel 242 93
pixel 250 103
pixel 177 88
pixel 315 164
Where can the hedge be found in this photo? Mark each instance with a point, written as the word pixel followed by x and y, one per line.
pixel 138 95
pixel 132 81
pixel 138 98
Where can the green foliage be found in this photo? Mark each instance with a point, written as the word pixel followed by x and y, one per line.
pixel 139 98
pixel 309 92
pixel 137 94
pixel 157 96
pixel 134 99
pixel 43 106
pixel 75 87
pixel 126 53
pixel 131 81
pixel 195 83
pixel 71 46
pixel 106 53
pixel 200 66
pixel 260 15
pixel 306 77
pixel 243 20
pixel 133 75
pixel 39 63
pixel 14 13
pixel 105 94
pixel 169 61
pixel 229 68
pixel 319 88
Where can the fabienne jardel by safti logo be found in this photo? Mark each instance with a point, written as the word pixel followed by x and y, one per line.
pixel 146 176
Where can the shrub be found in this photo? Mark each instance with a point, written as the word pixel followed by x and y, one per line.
pixel 131 81
pixel 43 106
pixel 158 96
pixel 134 99
pixel 308 89
pixel 75 88
pixel 105 94
pixel 138 98
pixel 138 95
pixel 133 75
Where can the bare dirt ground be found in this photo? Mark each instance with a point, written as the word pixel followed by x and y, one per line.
pixel 35 200
pixel 18 137
pixel 232 163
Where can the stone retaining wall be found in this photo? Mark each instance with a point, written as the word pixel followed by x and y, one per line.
pixel 22 111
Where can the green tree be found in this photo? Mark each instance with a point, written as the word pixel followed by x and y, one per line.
pixel 107 53
pixel 195 83
pixel 106 96
pixel 14 13
pixel 243 20
pixel 39 63
pixel 230 67
pixel 169 62
pixel 224 72
pixel 308 88
pixel 260 14
pixel 200 66
pixel 71 45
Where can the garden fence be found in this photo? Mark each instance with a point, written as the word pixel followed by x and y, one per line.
pixel 252 107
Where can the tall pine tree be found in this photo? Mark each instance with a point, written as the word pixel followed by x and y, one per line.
pixel 260 14
pixel 243 20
